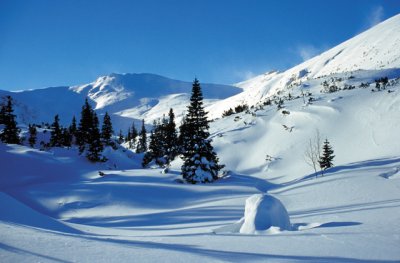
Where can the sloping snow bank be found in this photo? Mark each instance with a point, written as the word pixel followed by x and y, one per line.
pixel 17 213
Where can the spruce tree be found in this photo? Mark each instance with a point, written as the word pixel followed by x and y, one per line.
pixel 95 146
pixel 67 137
pixel 73 130
pixel 120 137
pixel 171 138
pixel 200 160
pixel 132 135
pixel 56 133
pixel 150 154
pixel 142 142
pixel 32 135
pixel 107 130
pixel 326 159
pixel 85 126
pixel 184 136
pixel 10 133
pixel 2 114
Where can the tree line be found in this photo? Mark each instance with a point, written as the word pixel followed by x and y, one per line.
pixel 192 143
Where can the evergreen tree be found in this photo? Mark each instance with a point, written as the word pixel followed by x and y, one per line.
pixel 184 136
pixel 72 129
pixel 107 130
pixel 120 137
pixel 142 143
pixel 88 136
pixel 10 133
pixel 2 114
pixel 32 135
pixel 67 137
pixel 56 133
pixel 326 159
pixel 150 154
pixel 132 135
pixel 200 160
pixel 95 146
pixel 171 138
pixel 85 126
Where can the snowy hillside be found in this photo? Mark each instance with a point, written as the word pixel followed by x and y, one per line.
pixel 127 97
pixel 56 206
pixel 375 49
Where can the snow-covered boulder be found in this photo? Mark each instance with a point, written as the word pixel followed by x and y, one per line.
pixel 262 212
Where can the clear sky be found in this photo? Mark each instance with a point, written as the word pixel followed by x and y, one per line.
pixel 68 42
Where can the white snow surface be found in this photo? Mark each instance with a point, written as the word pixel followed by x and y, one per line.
pixel 375 49
pixel 263 212
pixel 55 206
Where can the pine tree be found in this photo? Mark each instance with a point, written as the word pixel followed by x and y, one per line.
pixel 132 135
pixel 184 136
pixel 200 160
pixel 85 126
pixel 150 154
pixel 171 138
pixel 95 146
pixel 2 114
pixel 72 129
pixel 142 143
pixel 32 135
pixel 10 133
pixel 66 137
pixel 107 130
pixel 56 133
pixel 326 159
pixel 120 137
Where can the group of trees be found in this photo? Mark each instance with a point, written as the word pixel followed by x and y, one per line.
pixel 201 164
pixel 163 147
pixel 10 132
pixel 193 143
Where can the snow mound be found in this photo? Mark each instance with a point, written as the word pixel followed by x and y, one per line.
pixel 264 212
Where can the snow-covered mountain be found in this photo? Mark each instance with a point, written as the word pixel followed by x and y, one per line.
pixel 127 97
pixel 351 214
pixel 375 49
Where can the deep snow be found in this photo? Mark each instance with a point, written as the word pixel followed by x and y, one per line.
pixel 54 206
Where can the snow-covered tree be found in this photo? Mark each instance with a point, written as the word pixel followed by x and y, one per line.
pixel 10 133
pixel 200 161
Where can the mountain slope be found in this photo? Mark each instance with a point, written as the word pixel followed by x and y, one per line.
pixel 127 97
pixel 375 49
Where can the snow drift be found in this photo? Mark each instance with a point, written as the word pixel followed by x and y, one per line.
pixel 263 212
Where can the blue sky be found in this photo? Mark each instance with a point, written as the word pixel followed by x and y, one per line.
pixel 55 43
